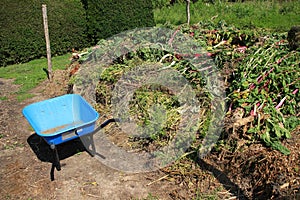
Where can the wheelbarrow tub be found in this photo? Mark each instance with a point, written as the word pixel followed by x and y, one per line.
pixel 62 118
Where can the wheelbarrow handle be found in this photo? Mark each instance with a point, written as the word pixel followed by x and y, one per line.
pixel 105 124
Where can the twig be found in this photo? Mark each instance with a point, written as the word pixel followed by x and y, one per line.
pixel 161 178
pixel 231 198
pixel 221 43
pixel 33 186
pixel 205 68
pixel 186 154
pixel 280 103
pixel 168 67
pixel 226 192
pixel 293 82
pixel 260 78
pixel 43 179
pixel 165 56
pixel 173 36
pixel 92 195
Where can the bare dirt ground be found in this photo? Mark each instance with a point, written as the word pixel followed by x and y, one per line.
pixel 26 161
pixel 254 173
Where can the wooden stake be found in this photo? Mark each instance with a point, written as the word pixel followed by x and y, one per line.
pixel 45 20
pixel 188 14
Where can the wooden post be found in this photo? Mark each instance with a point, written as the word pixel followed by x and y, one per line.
pixel 188 11
pixel 45 20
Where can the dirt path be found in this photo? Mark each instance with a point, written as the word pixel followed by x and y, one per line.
pixel 26 160
pixel 25 163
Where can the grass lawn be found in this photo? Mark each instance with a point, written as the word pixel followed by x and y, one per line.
pixel 30 74
pixel 250 14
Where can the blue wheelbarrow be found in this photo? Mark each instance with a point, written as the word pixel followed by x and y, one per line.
pixel 62 119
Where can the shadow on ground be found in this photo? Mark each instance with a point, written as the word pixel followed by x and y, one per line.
pixel 223 179
pixel 44 153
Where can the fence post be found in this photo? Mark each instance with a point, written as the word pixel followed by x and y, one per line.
pixel 46 30
pixel 188 14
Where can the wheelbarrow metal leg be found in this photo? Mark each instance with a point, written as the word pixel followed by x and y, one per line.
pixel 52 172
pixel 56 161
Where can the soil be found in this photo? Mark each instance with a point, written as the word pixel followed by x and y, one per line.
pixel 25 158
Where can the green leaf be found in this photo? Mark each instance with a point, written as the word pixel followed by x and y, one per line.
pixel 278 146
pixel 292 122
pixel 277 130
pixel 266 138
pixel 252 130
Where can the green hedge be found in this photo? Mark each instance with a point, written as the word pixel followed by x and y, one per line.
pixel 72 24
pixel 22 32
pixel 106 17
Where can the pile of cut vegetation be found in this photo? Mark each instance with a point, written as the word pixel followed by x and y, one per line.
pixel 258 148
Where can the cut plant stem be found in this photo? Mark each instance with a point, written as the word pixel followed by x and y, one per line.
pixel 261 78
pixel 280 103
pixel 161 178
pixel 295 91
